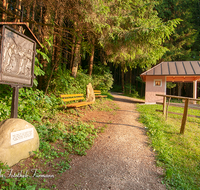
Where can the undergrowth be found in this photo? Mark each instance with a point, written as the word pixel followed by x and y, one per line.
pixel 60 133
pixel 177 154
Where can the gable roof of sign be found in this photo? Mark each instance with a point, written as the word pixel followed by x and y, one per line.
pixel 27 32
pixel 175 68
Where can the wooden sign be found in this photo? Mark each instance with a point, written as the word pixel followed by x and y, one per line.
pixel 17 57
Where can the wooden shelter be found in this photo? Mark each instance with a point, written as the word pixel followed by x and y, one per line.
pixel 178 71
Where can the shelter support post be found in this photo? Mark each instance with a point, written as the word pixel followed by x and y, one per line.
pixel 194 91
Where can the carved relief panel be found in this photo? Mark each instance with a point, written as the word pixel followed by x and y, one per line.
pixel 17 57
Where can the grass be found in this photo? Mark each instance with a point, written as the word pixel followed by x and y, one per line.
pixel 177 154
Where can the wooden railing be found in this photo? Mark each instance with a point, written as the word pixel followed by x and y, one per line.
pixel 185 112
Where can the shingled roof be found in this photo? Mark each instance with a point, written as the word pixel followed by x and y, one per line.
pixel 175 71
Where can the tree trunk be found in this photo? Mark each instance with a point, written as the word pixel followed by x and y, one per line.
pixel 137 80
pixel 130 80
pixel 5 7
pixel 123 80
pixel 115 79
pixel 56 45
pixel 72 52
pixel 76 58
pixel 28 14
pixel 180 85
pixel 40 20
pixel 33 14
pixel 17 10
pixel 91 58
pixel 65 51
pixel 119 72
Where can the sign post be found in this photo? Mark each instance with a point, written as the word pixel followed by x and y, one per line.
pixel 17 59
pixel 15 97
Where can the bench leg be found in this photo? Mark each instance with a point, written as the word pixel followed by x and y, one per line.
pixel 77 112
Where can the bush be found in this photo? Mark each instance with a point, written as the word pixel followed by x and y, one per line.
pixel 102 78
pixel 64 83
pixel 32 105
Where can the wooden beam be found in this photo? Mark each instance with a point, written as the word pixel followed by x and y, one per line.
pixel 178 97
pixel 196 116
pixel 184 119
pixel 164 106
pixel 182 78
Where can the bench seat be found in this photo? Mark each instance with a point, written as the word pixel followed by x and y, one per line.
pixel 74 97
pixel 78 104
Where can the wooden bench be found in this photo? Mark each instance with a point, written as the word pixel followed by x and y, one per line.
pixel 98 94
pixel 74 97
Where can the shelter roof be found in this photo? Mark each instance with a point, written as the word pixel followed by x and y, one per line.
pixel 175 71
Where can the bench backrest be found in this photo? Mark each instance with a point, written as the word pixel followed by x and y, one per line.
pixel 71 97
pixel 97 91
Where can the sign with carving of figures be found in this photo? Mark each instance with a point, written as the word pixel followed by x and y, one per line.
pixel 17 58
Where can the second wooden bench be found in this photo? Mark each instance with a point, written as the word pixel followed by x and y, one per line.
pixel 98 94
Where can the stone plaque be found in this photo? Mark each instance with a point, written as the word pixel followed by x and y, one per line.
pixel 21 136
pixel 17 58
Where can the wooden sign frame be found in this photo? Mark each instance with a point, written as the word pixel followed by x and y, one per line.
pixel 17 58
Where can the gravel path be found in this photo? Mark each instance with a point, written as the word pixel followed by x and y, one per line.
pixel 120 158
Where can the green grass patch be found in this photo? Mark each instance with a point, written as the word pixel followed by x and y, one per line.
pixel 177 154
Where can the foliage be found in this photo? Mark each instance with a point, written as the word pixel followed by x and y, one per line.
pixel 63 82
pixel 102 78
pixel 133 93
pixel 38 66
pixel 116 88
pixel 171 85
pixel 57 141
pixel 32 105
pixel 183 44
pixel 80 138
pixel 177 154
pixel 135 36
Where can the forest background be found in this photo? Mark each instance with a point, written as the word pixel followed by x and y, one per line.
pixel 106 41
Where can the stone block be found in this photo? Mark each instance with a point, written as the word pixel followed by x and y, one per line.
pixel 18 139
pixel 90 96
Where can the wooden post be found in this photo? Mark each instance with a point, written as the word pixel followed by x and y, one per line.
pixel 194 91
pixel 14 106
pixel 184 119
pixel 167 108
pixel 164 105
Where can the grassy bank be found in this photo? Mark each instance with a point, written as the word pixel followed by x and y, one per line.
pixel 179 155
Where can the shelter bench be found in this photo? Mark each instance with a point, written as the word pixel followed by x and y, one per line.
pixel 98 94
pixel 74 97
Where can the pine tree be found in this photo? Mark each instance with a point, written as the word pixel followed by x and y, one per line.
pixel 182 43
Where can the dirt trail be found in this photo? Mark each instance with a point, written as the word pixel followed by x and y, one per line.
pixel 120 158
